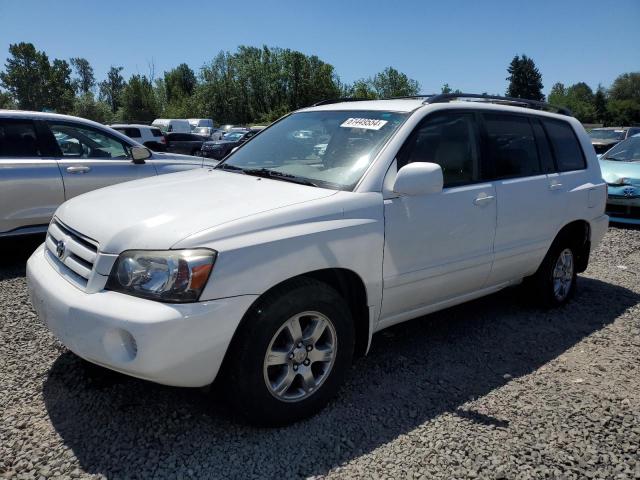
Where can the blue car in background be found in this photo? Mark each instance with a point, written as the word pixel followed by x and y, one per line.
pixel 621 170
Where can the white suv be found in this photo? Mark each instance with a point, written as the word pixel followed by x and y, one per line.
pixel 286 259
pixel 150 137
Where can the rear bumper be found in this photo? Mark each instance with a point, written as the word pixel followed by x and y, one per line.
pixel 599 227
pixel 171 344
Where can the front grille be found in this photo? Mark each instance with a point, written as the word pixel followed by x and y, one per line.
pixel 73 250
pixel 624 211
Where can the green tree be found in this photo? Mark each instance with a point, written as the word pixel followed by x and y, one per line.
pixel 6 101
pixel 623 107
pixel 558 95
pixel 600 105
pixel 112 87
pixel 446 88
pixel 138 100
pixel 86 106
pixel 26 76
pixel 179 82
pixel 84 80
pixel 392 83
pixel 60 92
pixel 525 81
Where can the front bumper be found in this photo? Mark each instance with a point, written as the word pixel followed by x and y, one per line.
pixel 623 204
pixel 171 344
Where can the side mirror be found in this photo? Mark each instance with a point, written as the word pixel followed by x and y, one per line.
pixel 419 178
pixel 140 154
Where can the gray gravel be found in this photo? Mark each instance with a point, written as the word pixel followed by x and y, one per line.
pixel 491 389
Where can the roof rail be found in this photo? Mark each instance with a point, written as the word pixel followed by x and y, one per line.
pixel 518 102
pixel 339 100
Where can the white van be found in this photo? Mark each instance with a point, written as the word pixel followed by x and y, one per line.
pixel 172 125
pixel 200 122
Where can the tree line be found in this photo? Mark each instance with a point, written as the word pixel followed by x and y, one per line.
pixel 258 85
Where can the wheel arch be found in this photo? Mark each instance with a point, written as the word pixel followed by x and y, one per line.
pixel 578 232
pixel 347 283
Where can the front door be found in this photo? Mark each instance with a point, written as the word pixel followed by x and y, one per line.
pixel 91 158
pixel 439 246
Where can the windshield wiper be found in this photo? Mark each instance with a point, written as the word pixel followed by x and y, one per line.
pixel 226 166
pixel 286 177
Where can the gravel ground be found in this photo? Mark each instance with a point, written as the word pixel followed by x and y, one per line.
pixel 491 389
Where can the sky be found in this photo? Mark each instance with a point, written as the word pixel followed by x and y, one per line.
pixel 467 44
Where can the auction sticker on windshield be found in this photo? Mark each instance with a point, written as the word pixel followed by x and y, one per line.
pixel 366 123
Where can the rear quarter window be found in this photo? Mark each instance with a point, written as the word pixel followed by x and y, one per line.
pixel 564 143
pixel 156 132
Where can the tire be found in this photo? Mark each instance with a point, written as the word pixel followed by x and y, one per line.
pixel 313 371
pixel 555 281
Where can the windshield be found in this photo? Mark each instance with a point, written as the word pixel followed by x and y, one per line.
pixel 331 149
pixel 627 151
pixel 602 134
pixel 233 136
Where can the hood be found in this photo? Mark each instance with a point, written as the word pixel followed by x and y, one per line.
pixel 604 141
pixel 174 156
pixel 613 170
pixel 157 212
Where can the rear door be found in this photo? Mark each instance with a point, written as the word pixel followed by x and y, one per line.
pixel 30 182
pixel 90 158
pixel 529 194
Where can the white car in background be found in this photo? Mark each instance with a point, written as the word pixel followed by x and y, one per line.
pixel 46 159
pixel 172 125
pixel 272 270
pixel 150 137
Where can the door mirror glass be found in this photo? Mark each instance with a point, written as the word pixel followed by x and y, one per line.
pixel 419 178
pixel 140 154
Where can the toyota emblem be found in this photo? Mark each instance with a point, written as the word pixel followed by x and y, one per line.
pixel 629 191
pixel 60 249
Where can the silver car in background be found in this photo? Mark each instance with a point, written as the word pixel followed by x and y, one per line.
pixel 47 158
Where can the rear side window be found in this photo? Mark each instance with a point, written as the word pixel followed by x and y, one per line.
pixel 130 132
pixel 449 139
pixel 544 150
pixel 156 132
pixel 18 139
pixel 512 149
pixel 565 146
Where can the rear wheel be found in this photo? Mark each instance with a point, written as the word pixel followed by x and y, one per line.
pixel 555 280
pixel 291 354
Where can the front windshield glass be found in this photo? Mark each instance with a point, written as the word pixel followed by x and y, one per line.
pixel 233 136
pixel 602 134
pixel 627 151
pixel 331 149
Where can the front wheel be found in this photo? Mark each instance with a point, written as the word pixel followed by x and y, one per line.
pixel 291 354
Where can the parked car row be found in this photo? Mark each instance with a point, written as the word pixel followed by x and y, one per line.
pixel 275 267
pixel 603 139
pixel 621 170
pixel 46 159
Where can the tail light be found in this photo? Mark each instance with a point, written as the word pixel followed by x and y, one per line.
pixel 163 139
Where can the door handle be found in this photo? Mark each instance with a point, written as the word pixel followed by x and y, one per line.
pixel 483 199
pixel 80 169
pixel 555 186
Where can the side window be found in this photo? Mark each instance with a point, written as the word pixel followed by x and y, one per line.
pixel 632 132
pixel 18 139
pixel 511 146
pixel 566 149
pixel 544 150
pixel 156 132
pixel 449 139
pixel 76 141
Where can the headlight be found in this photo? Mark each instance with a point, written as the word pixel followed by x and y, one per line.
pixel 618 181
pixel 176 276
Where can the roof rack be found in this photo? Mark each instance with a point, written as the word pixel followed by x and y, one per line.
pixel 517 102
pixel 339 100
